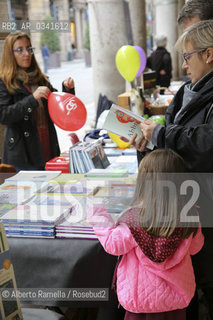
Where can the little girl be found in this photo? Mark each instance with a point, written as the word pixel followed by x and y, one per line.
pixel 155 277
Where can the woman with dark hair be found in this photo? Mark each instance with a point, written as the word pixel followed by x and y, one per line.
pixel 30 136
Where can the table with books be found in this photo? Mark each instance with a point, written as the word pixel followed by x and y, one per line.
pixel 51 244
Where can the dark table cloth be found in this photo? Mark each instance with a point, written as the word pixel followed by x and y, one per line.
pixel 65 263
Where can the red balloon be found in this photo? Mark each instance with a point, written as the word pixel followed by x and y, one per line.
pixel 67 111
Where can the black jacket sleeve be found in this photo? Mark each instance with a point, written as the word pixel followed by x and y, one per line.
pixel 10 111
pixel 194 144
pixel 64 89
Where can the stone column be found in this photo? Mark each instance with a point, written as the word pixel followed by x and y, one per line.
pixel 65 37
pixel 166 23
pixel 107 35
pixel 138 21
pixel 37 10
pixel 4 16
pixel 79 7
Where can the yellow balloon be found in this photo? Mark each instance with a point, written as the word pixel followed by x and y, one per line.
pixel 128 62
pixel 120 143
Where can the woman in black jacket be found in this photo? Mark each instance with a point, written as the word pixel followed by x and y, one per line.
pixel 30 136
pixel 161 62
pixel 189 132
pixel 189 117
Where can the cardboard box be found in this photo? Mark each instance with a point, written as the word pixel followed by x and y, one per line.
pixel 124 100
pixel 58 163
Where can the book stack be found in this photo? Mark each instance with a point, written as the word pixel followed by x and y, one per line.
pixel 81 230
pixel 114 152
pixel 21 187
pixel 58 208
pixel 27 214
pixel 31 220
pixel 107 173
pixel 76 226
pixel 125 162
pixel 116 197
pixel 85 156
pixel 63 189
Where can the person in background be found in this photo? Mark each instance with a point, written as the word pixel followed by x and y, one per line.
pixel 45 56
pixel 154 276
pixel 161 62
pixel 30 137
pixel 195 11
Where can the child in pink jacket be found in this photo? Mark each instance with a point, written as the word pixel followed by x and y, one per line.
pixel 155 277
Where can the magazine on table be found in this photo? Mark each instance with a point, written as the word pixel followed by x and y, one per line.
pixel 34 175
pixel 36 214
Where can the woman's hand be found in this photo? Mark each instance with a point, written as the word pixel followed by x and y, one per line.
pixel 69 83
pixel 147 128
pixel 162 72
pixel 140 144
pixel 41 92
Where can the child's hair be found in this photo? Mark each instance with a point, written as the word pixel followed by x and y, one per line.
pixel 157 194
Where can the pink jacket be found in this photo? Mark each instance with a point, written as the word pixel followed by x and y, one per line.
pixel 144 285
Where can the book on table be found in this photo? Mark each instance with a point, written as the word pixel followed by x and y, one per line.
pixel 76 226
pixel 87 155
pixel 21 191
pixel 115 197
pixel 130 163
pixel 24 185
pixel 115 194
pixel 107 173
pixel 124 123
pixel 36 214
pixel 82 229
pixel 35 220
pixel 95 156
pixel 34 176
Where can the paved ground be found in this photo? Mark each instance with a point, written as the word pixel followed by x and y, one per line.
pixel 84 91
